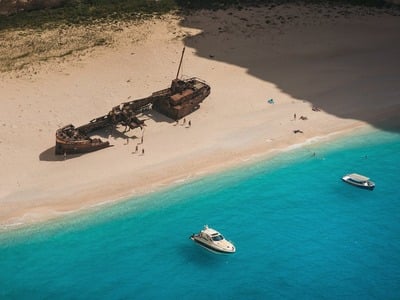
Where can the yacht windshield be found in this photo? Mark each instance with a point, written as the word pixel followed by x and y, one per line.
pixel 217 238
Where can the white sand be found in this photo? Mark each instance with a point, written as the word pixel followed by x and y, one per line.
pixel 348 65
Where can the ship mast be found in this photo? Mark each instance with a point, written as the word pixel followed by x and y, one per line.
pixel 180 63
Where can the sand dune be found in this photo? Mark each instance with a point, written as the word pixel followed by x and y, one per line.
pixel 345 64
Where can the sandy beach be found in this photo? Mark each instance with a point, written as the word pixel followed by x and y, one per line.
pixel 343 60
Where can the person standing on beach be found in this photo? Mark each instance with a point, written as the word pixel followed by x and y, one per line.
pixel 294 116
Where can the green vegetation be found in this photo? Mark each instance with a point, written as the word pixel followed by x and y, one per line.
pixel 88 11
pixel 30 37
pixel 82 12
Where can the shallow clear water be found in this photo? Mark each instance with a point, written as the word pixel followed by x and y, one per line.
pixel 300 233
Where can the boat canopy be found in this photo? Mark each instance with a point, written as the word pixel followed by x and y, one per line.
pixel 358 177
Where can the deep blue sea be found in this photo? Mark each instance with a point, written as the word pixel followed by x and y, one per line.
pixel 300 233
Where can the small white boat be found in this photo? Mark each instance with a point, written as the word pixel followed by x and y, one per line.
pixel 359 180
pixel 213 240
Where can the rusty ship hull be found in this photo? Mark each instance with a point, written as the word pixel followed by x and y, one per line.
pixel 70 140
pixel 183 98
pixel 77 147
pixel 176 102
pixel 179 100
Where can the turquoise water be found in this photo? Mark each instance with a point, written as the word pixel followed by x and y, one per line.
pixel 300 233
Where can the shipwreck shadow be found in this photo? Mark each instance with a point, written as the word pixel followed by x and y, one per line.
pixel 49 155
pixel 156 117
pixel 120 132
pixel 317 56
pixel 115 132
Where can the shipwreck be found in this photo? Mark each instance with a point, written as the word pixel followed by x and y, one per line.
pixel 179 100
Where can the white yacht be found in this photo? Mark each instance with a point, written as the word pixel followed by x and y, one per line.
pixel 359 180
pixel 213 240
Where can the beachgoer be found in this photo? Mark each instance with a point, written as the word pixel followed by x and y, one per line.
pixel 184 121
pixel 294 116
pixel 65 155
pixel 137 148
pixel 142 151
pixel 190 123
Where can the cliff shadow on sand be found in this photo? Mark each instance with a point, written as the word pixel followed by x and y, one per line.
pixel 343 60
